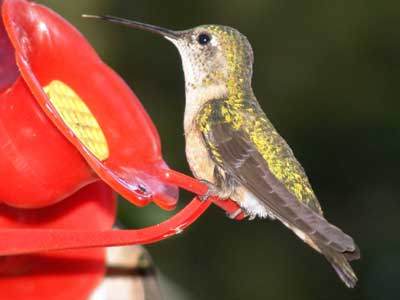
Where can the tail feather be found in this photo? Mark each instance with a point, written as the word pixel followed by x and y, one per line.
pixel 340 262
pixel 353 255
pixel 338 259
pixel 338 254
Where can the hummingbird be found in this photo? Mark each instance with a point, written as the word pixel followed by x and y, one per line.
pixel 233 147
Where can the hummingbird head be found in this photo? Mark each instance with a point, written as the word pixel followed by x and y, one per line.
pixel 217 60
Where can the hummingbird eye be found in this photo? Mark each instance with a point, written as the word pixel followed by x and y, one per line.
pixel 203 38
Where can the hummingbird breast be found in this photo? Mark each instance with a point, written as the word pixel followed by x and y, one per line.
pixel 204 168
pixel 197 155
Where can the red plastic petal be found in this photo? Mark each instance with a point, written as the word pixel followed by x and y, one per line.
pixel 51 49
pixel 35 173
pixel 8 68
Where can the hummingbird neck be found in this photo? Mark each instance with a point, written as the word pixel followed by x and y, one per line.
pixel 197 96
pixel 227 77
pixel 233 91
pixel 239 88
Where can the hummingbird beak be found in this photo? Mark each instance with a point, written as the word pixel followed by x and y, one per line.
pixel 167 33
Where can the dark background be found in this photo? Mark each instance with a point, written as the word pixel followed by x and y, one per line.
pixel 327 75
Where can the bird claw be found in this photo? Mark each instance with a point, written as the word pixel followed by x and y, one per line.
pixel 233 215
pixel 211 191
pixel 251 217
pixel 204 197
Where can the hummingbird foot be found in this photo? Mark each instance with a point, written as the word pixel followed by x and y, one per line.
pixel 234 214
pixel 251 217
pixel 237 212
pixel 213 190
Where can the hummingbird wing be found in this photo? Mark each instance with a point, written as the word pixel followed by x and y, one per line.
pixel 242 161
pixel 234 150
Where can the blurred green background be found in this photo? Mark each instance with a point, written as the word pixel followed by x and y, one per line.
pixel 327 74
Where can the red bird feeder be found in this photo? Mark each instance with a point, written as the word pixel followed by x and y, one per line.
pixel 70 128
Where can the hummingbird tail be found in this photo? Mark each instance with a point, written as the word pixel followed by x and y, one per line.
pixel 340 262
pixel 333 252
